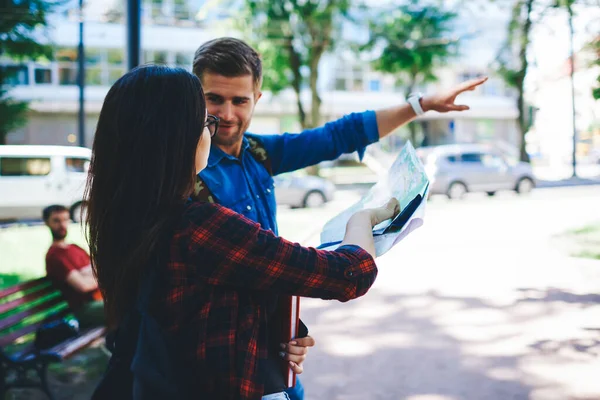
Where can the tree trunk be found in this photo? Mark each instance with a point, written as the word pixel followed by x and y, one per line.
pixel 319 44
pixel 522 73
pixel 412 126
pixel 295 66
pixel 315 106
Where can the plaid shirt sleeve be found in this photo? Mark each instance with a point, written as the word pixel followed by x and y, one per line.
pixel 228 249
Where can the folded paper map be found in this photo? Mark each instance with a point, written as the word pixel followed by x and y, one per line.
pixel 405 180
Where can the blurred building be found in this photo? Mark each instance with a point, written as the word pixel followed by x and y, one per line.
pixel 173 29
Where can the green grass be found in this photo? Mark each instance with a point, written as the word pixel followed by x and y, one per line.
pixel 590 229
pixel 586 241
pixel 23 251
pixel 22 257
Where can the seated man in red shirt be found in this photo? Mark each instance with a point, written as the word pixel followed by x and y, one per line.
pixel 69 268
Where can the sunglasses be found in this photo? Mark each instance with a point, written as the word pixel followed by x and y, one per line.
pixel 212 124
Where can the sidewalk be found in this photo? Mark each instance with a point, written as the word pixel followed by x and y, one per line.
pixel 568 182
pixel 473 306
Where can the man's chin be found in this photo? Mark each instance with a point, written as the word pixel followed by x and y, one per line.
pixel 228 139
pixel 58 236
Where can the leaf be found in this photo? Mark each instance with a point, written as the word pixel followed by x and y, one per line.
pixel 22 25
pixel 416 40
pixel 292 36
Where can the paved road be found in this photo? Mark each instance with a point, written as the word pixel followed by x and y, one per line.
pixel 482 302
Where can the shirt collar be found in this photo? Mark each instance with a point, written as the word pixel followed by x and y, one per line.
pixel 216 154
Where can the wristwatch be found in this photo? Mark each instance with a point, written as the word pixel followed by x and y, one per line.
pixel 414 99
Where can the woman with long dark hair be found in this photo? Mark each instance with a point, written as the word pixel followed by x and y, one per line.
pixel 187 284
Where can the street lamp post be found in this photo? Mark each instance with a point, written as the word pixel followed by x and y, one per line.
pixel 133 33
pixel 81 79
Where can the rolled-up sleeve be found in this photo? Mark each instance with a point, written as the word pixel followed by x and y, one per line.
pixel 224 248
pixel 353 132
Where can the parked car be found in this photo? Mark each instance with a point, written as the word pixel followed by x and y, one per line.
pixel 299 190
pixel 455 170
pixel 33 177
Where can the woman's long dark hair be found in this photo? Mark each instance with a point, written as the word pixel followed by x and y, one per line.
pixel 141 172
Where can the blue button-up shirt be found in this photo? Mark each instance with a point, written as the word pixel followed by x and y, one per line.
pixel 244 185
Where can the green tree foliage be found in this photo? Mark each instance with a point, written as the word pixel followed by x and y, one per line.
pixel 595 48
pixel 514 56
pixel 21 25
pixel 293 36
pixel 415 41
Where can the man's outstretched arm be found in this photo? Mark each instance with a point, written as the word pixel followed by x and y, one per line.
pixel 353 132
pixel 389 119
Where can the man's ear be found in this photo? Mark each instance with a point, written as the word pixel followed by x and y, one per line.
pixel 257 96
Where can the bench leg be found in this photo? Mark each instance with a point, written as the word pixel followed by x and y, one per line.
pixel 42 373
pixel 2 381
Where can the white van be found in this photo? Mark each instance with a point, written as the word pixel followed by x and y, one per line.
pixel 34 177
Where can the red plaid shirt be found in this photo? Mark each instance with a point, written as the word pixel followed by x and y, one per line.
pixel 215 291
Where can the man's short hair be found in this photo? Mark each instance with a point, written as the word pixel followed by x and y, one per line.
pixel 52 209
pixel 228 57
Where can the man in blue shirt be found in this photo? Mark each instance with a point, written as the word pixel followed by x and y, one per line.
pixel 231 75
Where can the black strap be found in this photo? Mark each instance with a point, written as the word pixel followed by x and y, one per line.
pixel 201 191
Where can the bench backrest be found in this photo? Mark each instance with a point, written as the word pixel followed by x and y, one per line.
pixel 27 306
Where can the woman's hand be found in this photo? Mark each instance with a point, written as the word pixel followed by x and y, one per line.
pixel 359 230
pixel 295 352
pixel 388 211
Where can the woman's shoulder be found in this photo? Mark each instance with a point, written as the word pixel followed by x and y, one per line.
pixel 206 222
pixel 199 213
pixel 198 209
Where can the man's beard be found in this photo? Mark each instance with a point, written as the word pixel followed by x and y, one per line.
pixel 58 235
pixel 230 139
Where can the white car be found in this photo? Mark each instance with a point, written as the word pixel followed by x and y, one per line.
pixel 297 190
pixel 455 170
pixel 34 177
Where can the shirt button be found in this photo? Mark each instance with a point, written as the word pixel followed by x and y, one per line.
pixel 349 273
pixel 257 196
pixel 268 191
pixel 249 208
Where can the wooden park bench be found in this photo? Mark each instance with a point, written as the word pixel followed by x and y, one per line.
pixel 23 309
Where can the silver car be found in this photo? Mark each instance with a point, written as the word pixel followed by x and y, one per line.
pixel 454 170
pixel 298 190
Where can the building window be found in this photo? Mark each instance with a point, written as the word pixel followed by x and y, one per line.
pixel 115 56
pixel 43 75
pixel 182 10
pixel 67 65
pixel 14 166
pixel 375 85
pixel 160 57
pixel 93 76
pixel 93 56
pixel 67 75
pixel 16 74
pixel 116 67
pixel 183 60
pixel 340 84
pixel 114 74
pixel 155 57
